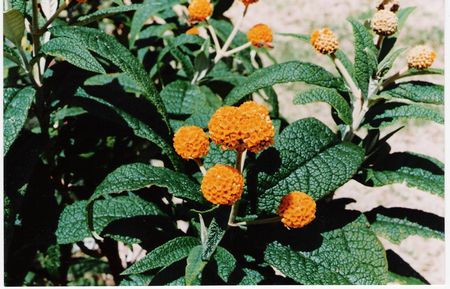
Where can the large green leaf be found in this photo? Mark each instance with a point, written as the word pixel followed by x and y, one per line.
pixel 293 71
pixel 107 12
pixel 409 169
pixel 194 267
pixel 328 95
pixel 140 129
pixel 72 224
pixel 15 113
pixel 225 263
pixel 348 255
pixel 13 26
pixel 396 230
pixel 164 255
pixel 137 176
pixel 400 111
pixel 108 47
pixel 216 231
pixel 417 91
pixel 318 168
pixel 364 48
pixel 73 52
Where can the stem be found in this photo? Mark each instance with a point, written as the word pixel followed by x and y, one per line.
pixel 36 43
pixel 51 19
pixel 200 166
pixel 240 159
pixel 257 222
pixel 214 36
pixel 394 77
pixel 237 49
pixel 380 41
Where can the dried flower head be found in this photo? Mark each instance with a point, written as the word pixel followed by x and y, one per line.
pixel 421 57
pixel 199 10
pixel 297 210
pixel 391 5
pixel 248 2
pixel 191 142
pixel 239 128
pixel 193 31
pixel 260 35
pixel 324 41
pixel 384 22
pixel 222 185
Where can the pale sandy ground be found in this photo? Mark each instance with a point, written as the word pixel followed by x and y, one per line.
pixel 424 26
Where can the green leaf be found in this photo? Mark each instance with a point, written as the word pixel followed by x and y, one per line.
pixel 428 71
pixel 217 155
pixel 251 277
pixel 107 12
pixel 318 168
pixel 348 255
pixel 417 91
pixel 412 170
pixel 72 224
pixel 216 230
pixel 402 16
pixel 194 266
pixel 156 30
pixel 303 37
pixel 403 280
pixel 20 5
pixel 15 113
pixel 396 230
pixel 12 55
pixel 225 263
pixel 73 52
pixel 387 63
pixel 137 280
pixel 401 111
pixel 364 67
pixel 108 47
pixel 164 255
pixel 140 129
pixel 346 62
pixel 124 80
pixel 328 95
pixel 13 26
pixel 136 176
pixel 283 73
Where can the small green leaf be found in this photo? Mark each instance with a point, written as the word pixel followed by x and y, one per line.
pixel 225 263
pixel 164 255
pixel 318 168
pixel 13 26
pixel 348 255
pixel 328 95
pixel 387 63
pixel 216 230
pixel 404 280
pixel 396 230
pixel 251 277
pixel 11 54
pixel 303 37
pixel 194 266
pixel 293 71
pixel 73 52
pixel 136 280
pixel 137 176
pixel 428 71
pixel 417 91
pixel 364 47
pixel 107 12
pixel 402 16
pixel 72 224
pixel 16 106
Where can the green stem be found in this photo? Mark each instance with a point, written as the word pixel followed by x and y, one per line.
pixel 258 222
pixel 53 17
pixel 240 158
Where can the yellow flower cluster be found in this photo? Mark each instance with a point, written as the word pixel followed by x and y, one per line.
pixel 199 10
pixel 260 35
pixel 324 41
pixel 384 22
pixel 421 57
pixel 191 142
pixel 297 210
pixel 247 127
pixel 222 185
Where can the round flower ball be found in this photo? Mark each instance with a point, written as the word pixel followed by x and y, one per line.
pixel 324 41
pixel 222 185
pixel 297 210
pixel 199 10
pixel 421 57
pixel 191 142
pixel 384 22
pixel 260 36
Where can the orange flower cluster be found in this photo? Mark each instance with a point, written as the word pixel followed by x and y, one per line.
pixel 260 35
pixel 222 185
pixel 247 127
pixel 297 210
pixel 324 41
pixel 248 2
pixel 384 22
pixel 199 10
pixel 191 142
pixel 421 57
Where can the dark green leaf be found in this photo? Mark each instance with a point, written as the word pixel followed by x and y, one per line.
pixel 72 224
pixel 216 230
pixel 292 71
pixel 328 95
pixel 417 91
pixel 73 52
pixel 164 255
pixel 217 155
pixel 108 47
pixel 251 277
pixel 137 176
pixel 107 12
pixel 318 168
pixel 15 113
pixel 194 266
pixel 225 263
pixel 396 230
pixel 348 255
pixel 11 54
pixel 136 280
pixel 364 67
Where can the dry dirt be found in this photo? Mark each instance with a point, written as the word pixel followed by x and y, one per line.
pixel 425 25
